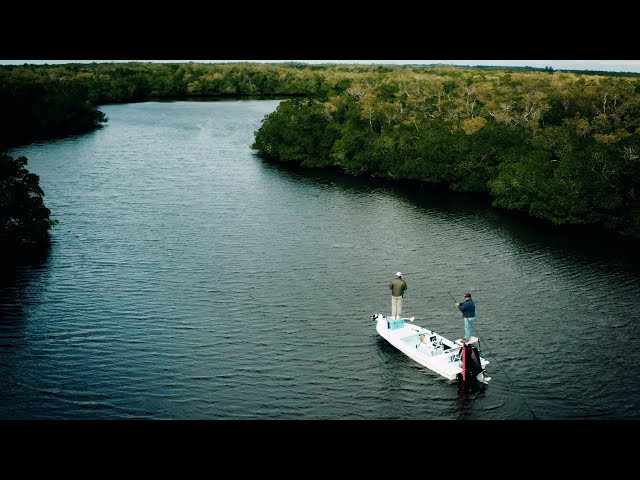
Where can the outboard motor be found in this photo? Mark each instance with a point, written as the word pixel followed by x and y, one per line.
pixel 471 366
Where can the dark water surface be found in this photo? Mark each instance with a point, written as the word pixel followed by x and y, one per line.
pixel 189 279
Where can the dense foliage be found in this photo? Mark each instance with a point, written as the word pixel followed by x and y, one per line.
pixel 560 146
pixel 557 145
pixel 35 105
pixel 24 220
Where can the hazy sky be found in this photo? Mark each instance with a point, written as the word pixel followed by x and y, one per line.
pixel 602 65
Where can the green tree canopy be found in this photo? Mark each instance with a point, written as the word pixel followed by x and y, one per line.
pixel 24 219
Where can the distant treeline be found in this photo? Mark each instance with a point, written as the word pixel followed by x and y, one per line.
pixel 43 101
pixel 551 70
pixel 558 145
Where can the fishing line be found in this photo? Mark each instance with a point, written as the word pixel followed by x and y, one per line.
pixel 501 369
pixel 506 375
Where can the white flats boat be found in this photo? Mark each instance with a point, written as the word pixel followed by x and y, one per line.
pixel 432 350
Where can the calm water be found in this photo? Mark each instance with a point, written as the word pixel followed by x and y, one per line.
pixel 189 279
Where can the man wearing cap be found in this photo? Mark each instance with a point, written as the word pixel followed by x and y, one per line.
pixel 398 287
pixel 468 309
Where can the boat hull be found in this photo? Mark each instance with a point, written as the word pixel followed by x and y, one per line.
pixel 424 346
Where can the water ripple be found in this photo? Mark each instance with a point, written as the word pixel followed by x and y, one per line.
pixel 188 279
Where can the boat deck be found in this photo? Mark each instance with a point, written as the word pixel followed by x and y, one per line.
pixel 426 347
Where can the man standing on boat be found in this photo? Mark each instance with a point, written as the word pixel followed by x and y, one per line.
pixel 468 309
pixel 398 287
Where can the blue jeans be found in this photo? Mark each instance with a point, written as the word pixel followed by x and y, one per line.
pixel 468 326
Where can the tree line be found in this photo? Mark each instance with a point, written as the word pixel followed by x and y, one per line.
pixel 558 145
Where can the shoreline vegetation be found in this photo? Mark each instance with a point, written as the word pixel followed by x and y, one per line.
pixel 557 145
pixel 24 219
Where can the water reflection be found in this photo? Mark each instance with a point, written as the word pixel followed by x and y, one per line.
pixel 585 244
pixel 19 275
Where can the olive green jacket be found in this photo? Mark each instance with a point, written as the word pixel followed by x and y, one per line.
pixel 398 287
